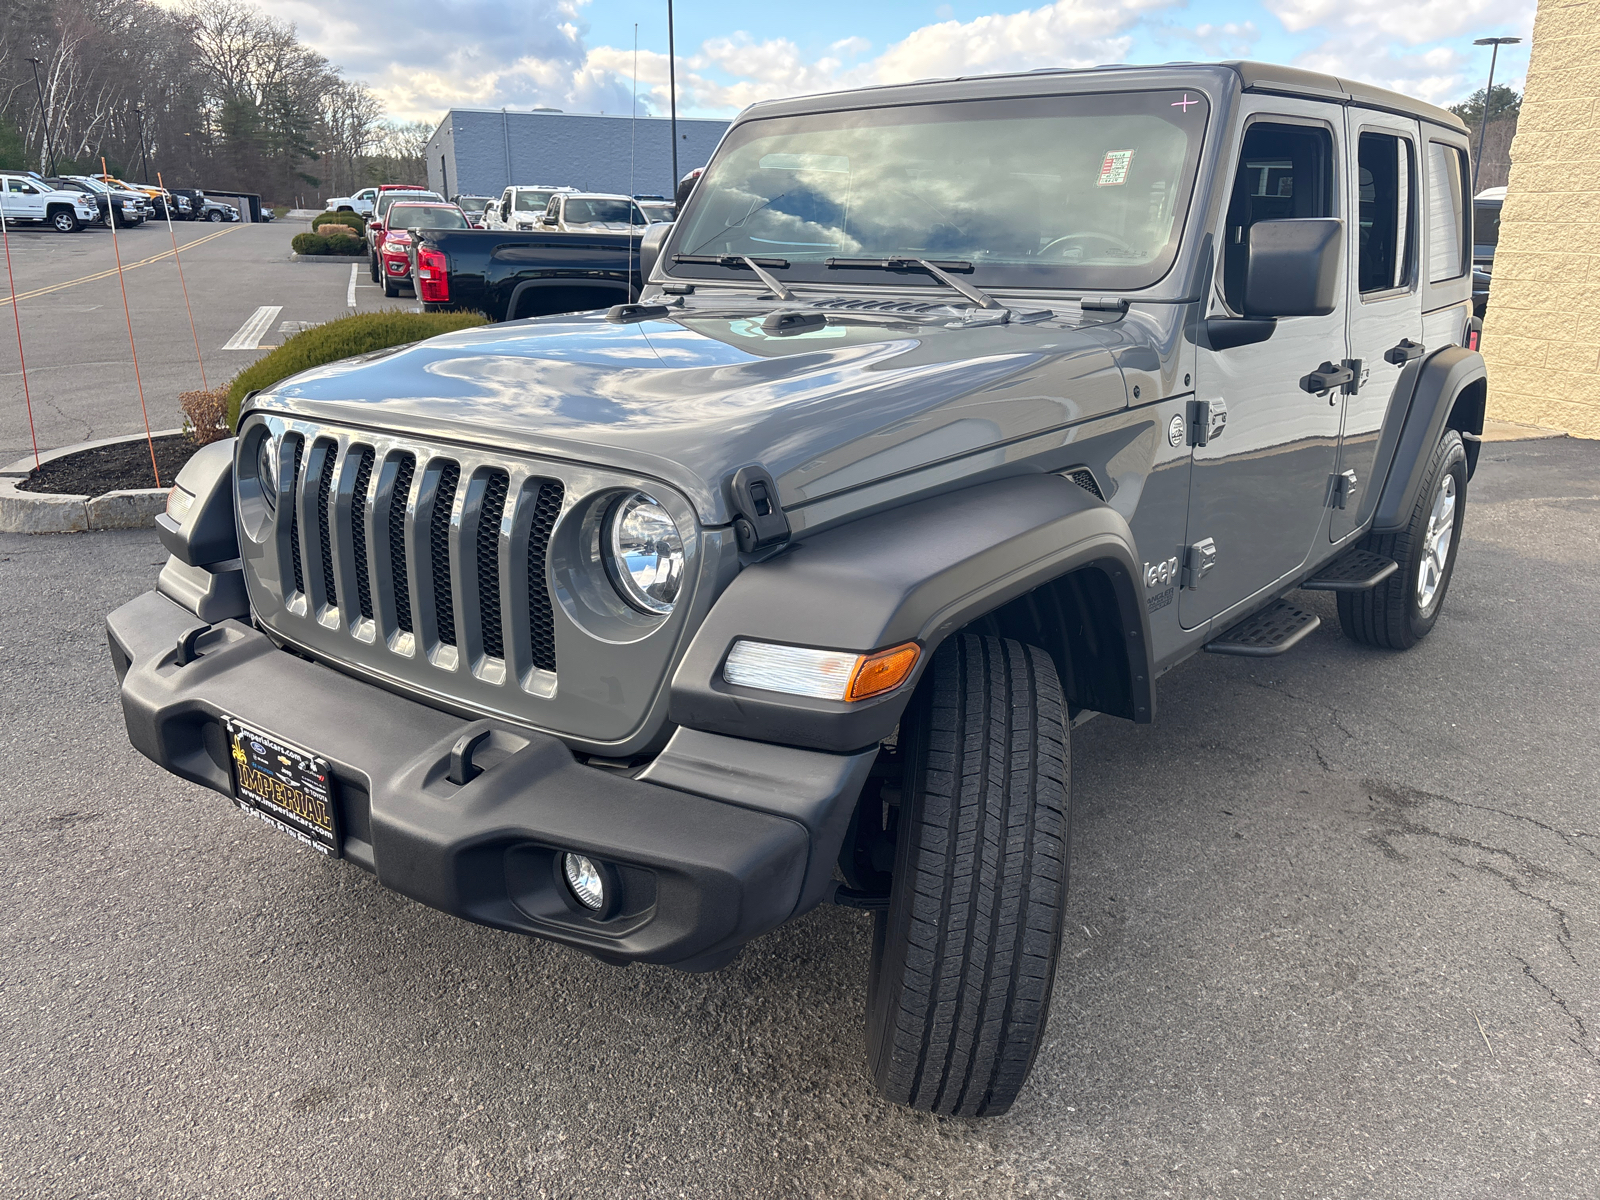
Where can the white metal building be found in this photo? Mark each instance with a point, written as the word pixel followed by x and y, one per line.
pixel 482 151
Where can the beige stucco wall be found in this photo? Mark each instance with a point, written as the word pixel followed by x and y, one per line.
pixel 1541 336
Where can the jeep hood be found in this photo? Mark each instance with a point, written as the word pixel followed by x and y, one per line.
pixel 689 399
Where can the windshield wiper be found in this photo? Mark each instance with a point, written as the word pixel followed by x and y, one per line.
pixel 937 270
pixel 742 261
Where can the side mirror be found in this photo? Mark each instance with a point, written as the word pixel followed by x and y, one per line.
pixel 654 237
pixel 1294 267
pixel 548 219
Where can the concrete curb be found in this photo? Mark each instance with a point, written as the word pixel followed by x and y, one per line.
pixel 340 259
pixel 48 512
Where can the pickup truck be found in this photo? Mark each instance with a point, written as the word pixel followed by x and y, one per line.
pixel 31 198
pixel 953 414
pixel 508 276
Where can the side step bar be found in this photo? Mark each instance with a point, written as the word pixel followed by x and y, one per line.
pixel 1357 571
pixel 1271 631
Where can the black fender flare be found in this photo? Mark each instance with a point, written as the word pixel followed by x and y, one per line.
pixel 1439 382
pixel 915 573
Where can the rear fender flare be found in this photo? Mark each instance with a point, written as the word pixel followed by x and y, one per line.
pixel 1443 386
pixel 915 573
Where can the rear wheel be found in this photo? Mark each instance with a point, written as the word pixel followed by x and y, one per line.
pixel 1400 612
pixel 964 957
pixel 65 220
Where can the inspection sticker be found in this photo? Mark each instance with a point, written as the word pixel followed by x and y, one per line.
pixel 1114 170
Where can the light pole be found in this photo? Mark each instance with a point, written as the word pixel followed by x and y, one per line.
pixel 144 157
pixel 672 95
pixel 44 117
pixel 1488 92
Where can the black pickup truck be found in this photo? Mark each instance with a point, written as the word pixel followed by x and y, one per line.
pixel 507 275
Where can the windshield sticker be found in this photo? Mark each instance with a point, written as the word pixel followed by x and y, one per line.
pixel 1114 169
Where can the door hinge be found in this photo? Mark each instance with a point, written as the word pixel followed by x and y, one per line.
pixel 1198 560
pixel 1342 489
pixel 1208 419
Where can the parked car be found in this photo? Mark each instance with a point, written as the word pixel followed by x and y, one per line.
pixel 592 212
pixel 162 201
pixel 656 209
pixel 132 209
pixel 629 630
pixel 520 207
pixel 32 199
pixel 219 211
pixel 360 202
pixel 375 224
pixel 473 206
pixel 1486 224
pixel 405 218
pixel 510 275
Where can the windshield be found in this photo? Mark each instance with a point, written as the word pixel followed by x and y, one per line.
pixel 93 185
pixel 426 216
pixel 1049 191
pixel 1486 223
pixel 656 210
pixel 594 212
pixel 533 201
pixel 388 199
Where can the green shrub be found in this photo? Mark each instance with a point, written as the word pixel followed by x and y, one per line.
pixel 348 219
pixel 344 242
pixel 359 334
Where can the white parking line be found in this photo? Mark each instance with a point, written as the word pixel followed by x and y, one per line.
pixel 350 295
pixel 250 333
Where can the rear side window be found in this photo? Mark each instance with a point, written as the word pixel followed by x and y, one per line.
pixel 1284 171
pixel 1386 208
pixel 1486 223
pixel 1447 210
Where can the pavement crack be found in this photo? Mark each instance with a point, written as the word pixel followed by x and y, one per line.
pixel 1582 1040
pixel 1389 804
pixel 1409 797
pixel 1563 930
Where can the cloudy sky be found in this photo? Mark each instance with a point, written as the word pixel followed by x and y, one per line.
pixel 424 56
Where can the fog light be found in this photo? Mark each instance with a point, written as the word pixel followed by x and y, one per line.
pixel 585 880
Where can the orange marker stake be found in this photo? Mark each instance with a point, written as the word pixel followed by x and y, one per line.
pixel 185 287
pixel 132 349
pixel 5 234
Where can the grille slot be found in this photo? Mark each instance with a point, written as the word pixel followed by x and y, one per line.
pixel 399 576
pixel 324 489
pixel 294 519
pixel 358 528
pixel 444 500
pixel 1085 479
pixel 491 511
pixel 541 618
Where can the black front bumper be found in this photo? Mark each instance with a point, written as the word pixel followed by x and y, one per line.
pixel 698 876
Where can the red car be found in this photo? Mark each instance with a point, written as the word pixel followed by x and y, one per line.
pixel 396 241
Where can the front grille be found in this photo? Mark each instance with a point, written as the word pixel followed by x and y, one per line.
pixel 399 497
pixel 324 535
pixel 358 529
pixel 541 620
pixel 439 550
pixel 488 547
pixel 294 518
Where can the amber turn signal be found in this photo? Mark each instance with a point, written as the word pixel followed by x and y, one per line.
pixel 883 672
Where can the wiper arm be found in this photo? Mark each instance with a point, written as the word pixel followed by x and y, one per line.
pixel 738 261
pixel 937 270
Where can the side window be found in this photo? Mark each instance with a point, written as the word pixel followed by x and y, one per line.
pixel 1386 211
pixel 1447 235
pixel 1284 171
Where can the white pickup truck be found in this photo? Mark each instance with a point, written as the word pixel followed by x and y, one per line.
pixel 361 202
pixel 27 198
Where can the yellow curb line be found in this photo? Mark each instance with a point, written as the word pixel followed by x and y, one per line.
pixel 143 262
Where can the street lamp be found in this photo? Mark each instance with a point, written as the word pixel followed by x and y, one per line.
pixel 672 94
pixel 144 157
pixel 44 117
pixel 1483 122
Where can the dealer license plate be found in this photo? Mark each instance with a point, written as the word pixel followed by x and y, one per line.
pixel 287 787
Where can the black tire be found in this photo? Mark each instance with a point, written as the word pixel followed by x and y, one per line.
pixel 377 275
pixel 964 957
pixel 391 289
pixel 65 221
pixel 1400 612
pixel 215 216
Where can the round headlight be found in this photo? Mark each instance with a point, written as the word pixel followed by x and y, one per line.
pixel 267 471
pixel 644 554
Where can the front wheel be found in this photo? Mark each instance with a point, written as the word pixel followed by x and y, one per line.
pixel 66 221
pixel 1400 612
pixel 214 217
pixel 964 958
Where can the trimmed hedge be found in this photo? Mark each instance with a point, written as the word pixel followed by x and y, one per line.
pixel 358 334
pixel 353 220
pixel 344 243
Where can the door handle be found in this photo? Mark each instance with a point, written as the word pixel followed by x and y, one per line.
pixel 1403 352
pixel 1328 376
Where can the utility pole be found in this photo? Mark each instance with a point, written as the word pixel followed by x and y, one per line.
pixel 672 94
pixel 144 157
pixel 44 117
pixel 1488 93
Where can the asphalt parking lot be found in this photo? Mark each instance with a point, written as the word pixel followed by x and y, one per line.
pixel 75 334
pixel 1332 934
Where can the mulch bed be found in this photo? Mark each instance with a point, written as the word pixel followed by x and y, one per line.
pixel 113 468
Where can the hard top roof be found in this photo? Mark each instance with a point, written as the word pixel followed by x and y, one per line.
pixel 1249 76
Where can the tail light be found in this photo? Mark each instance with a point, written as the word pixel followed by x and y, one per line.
pixel 433 276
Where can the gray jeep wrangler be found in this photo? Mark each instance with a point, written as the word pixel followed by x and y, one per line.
pixel 951 415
